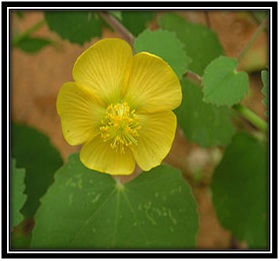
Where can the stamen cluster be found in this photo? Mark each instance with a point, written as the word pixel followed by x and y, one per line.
pixel 120 126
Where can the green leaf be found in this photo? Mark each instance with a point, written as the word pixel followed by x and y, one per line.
pixel 202 44
pixel 170 49
pixel 17 196
pixel 202 123
pixel 32 44
pixel 75 26
pixel 87 209
pixel 264 76
pixel 136 21
pixel 40 159
pixel 222 84
pixel 240 190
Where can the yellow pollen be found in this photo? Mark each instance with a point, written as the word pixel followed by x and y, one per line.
pixel 120 126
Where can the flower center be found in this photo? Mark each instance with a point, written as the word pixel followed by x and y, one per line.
pixel 120 126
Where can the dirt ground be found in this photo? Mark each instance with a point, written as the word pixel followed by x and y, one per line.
pixel 36 79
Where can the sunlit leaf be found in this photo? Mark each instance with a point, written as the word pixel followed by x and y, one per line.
pixel 75 26
pixel 17 196
pixel 202 123
pixel 170 48
pixel 222 84
pixel 40 159
pixel 87 209
pixel 240 190
pixel 202 44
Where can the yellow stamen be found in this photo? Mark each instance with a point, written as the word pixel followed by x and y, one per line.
pixel 120 126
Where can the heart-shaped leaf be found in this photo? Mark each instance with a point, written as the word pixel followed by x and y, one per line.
pixel 88 209
pixel 222 84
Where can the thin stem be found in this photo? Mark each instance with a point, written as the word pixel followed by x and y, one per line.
pixel 251 117
pixel 117 26
pixel 245 112
pixel 207 18
pixel 28 32
pixel 252 40
pixel 193 77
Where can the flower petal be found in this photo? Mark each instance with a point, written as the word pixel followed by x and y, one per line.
pixel 98 155
pixel 155 138
pixel 152 86
pixel 79 112
pixel 104 68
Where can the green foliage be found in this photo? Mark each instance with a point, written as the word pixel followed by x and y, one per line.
pixel 264 76
pixel 86 209
pixel 32 44
pixel 222 84
pixel 202 123
pixel 136 21
pixel 202 44
pixel 74 26
pixel 170 49
pixel 17 196
pixel 33 151
pixel 240 190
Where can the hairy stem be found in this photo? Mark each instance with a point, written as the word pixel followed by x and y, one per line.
pixel 245 49
pixel 193 77
pixel 117 26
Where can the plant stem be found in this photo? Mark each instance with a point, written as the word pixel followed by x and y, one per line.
pixel 252 40
pixel 28 32
pixel 117 26
pixel 245 112
pixel 251 117
pixel 207 18
pixel 193 77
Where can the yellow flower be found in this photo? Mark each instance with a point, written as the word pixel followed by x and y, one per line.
pixel 120 107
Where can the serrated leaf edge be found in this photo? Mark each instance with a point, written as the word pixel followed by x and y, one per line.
pixel 234 71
